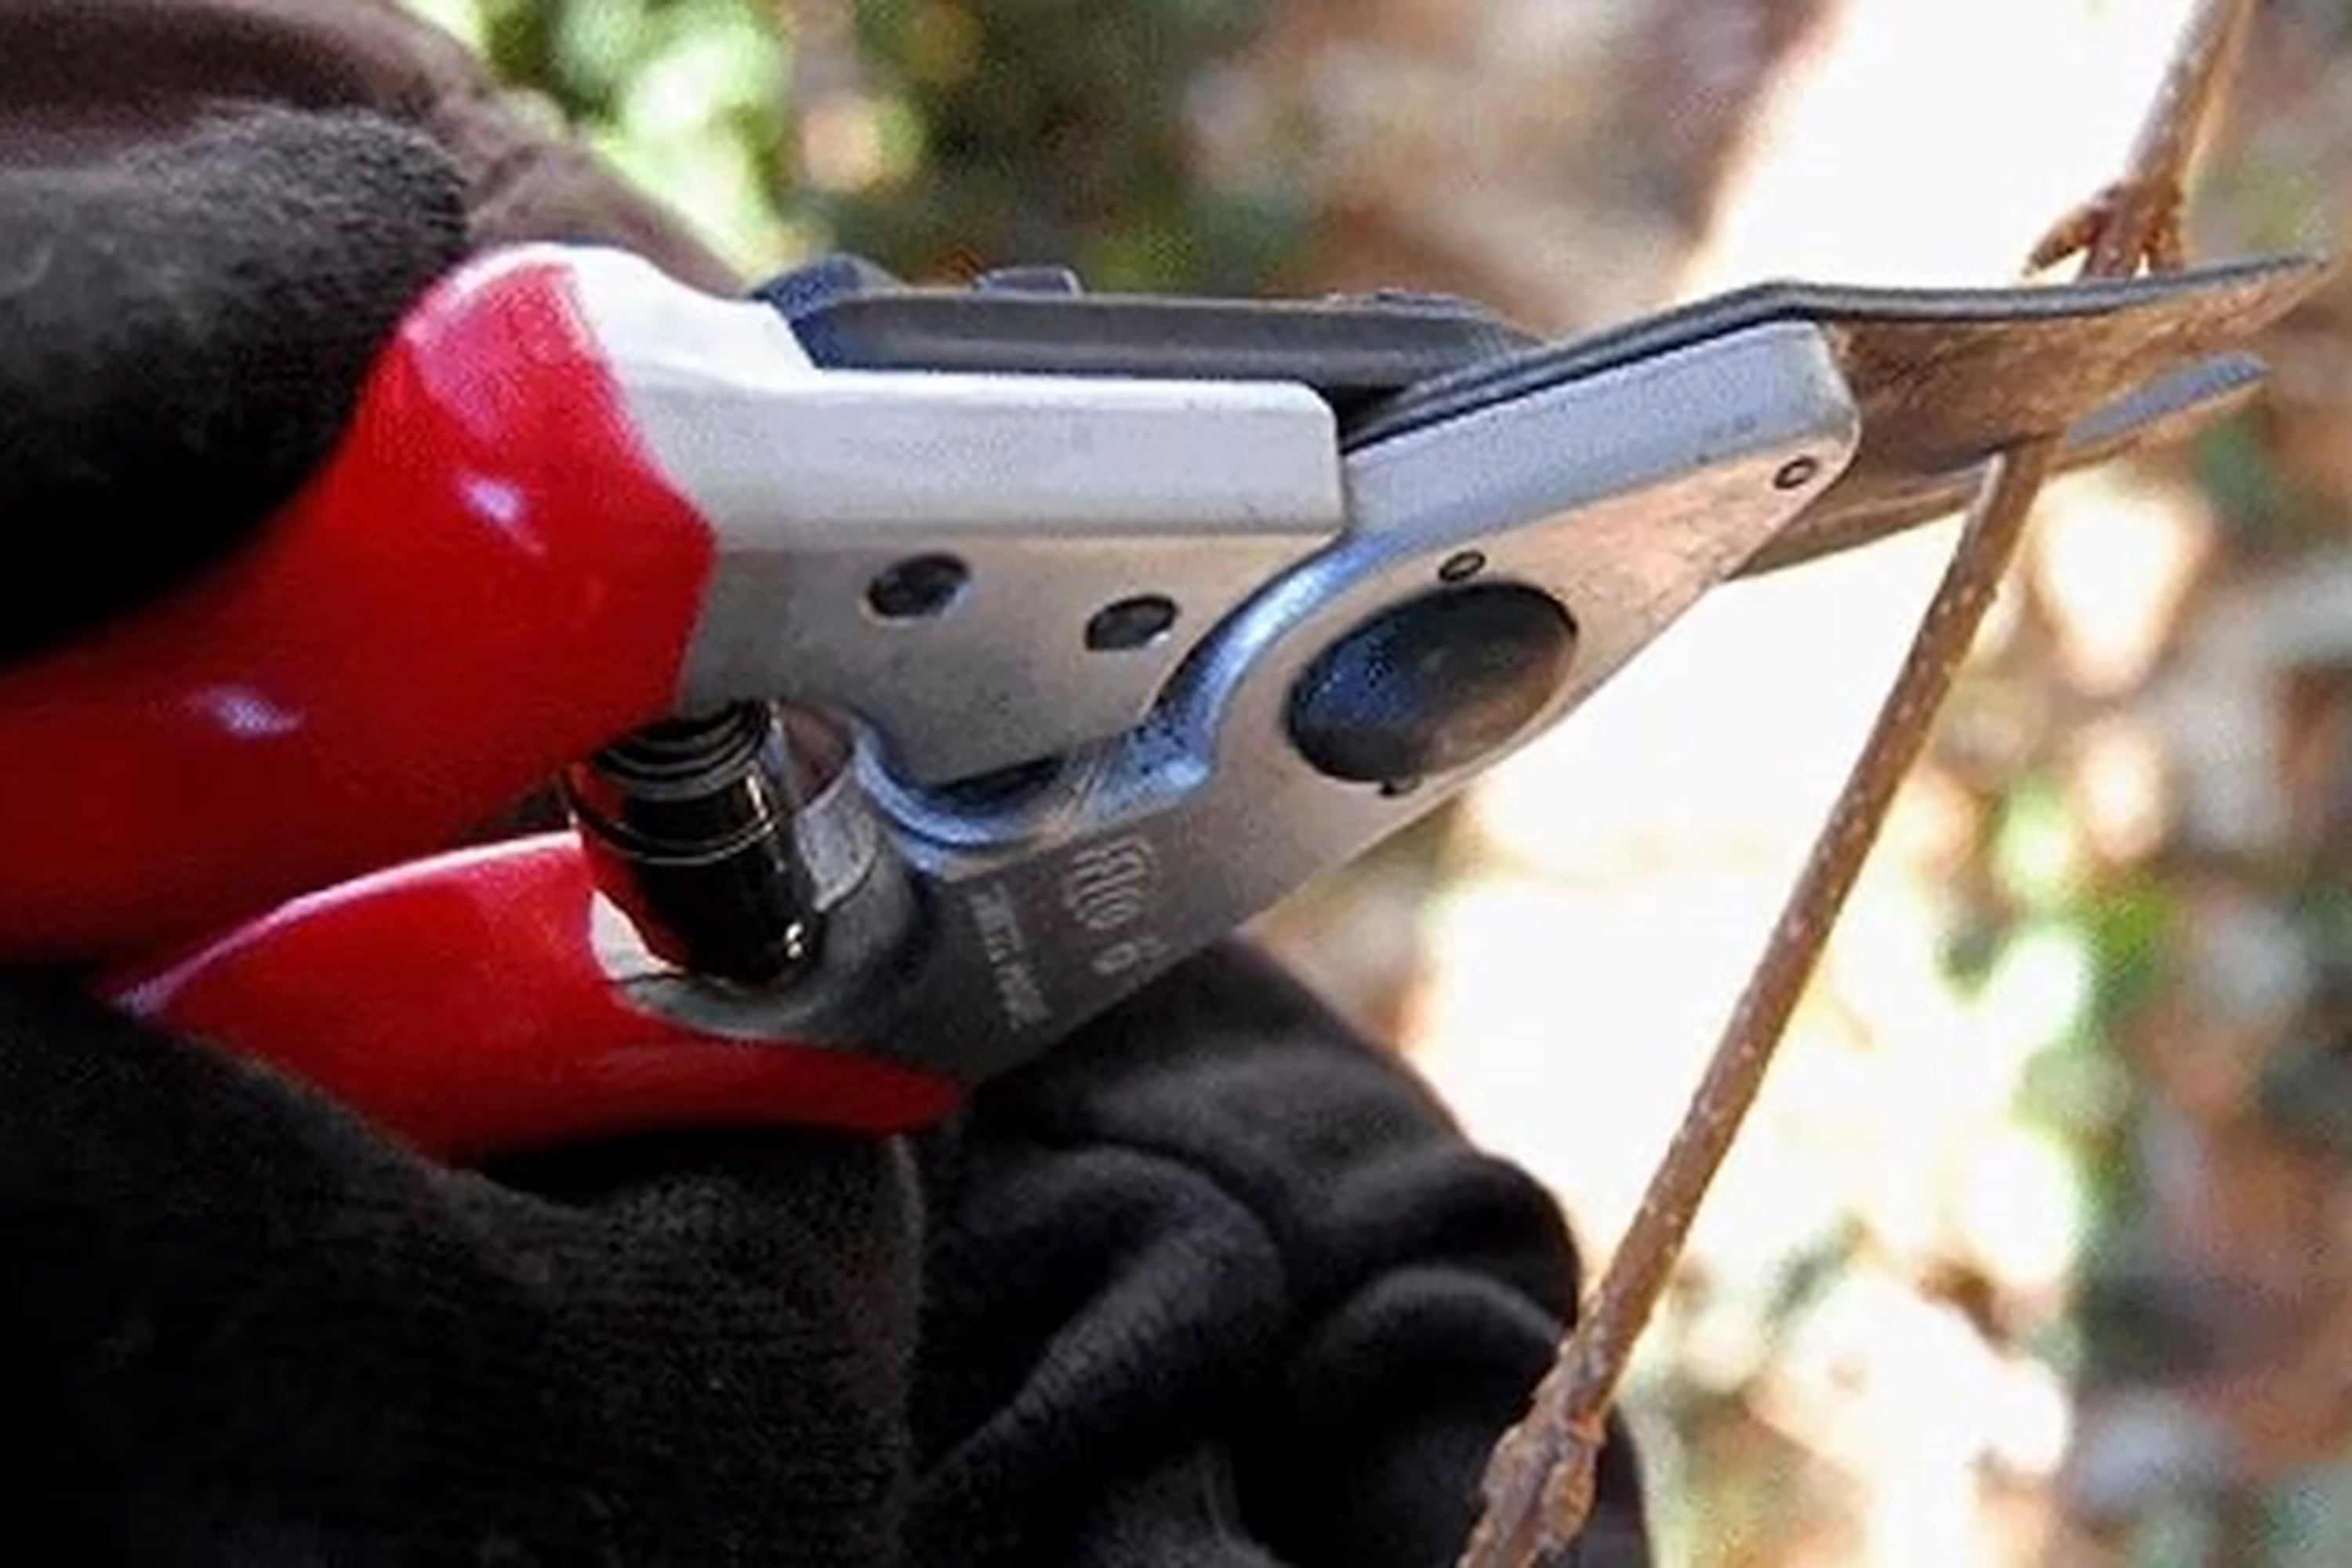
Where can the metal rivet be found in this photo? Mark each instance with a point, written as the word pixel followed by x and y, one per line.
pixel 917 587
pixel 1136 622
pixel 1461 566
pixel 1796 473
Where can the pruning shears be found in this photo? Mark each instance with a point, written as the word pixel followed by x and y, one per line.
pixel 927 669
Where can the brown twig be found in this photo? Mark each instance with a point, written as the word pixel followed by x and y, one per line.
pixel 1539 1481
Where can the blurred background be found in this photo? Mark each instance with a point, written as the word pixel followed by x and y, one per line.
pixel 2039 1248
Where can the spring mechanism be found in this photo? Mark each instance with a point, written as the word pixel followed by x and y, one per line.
pixel 688 828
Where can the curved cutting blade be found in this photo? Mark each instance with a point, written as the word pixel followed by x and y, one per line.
pixel 1944 378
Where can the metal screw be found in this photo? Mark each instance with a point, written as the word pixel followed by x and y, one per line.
pixel 1461 566
pixel 1796 473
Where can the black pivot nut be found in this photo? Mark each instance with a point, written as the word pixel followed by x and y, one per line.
pixel 1431 684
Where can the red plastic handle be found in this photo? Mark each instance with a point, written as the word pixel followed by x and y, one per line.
pixel 487 580
pixel 459 1003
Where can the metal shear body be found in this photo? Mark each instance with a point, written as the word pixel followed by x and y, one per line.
pixel 930 670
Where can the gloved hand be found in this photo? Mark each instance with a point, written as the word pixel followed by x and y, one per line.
pixel 185 330
pixel 1214 1283
pixel 237 1328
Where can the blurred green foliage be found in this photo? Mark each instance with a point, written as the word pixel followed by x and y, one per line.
pixel 1053 129
pixel 938 137
pixel 2094 944
pixel 2306 1522
pixel 2257 503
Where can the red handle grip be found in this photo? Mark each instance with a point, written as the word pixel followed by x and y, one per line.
pixel 487 580
pixel 459 1003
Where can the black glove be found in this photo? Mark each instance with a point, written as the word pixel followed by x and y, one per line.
pixel 1217 1285
pixel 1212 1284
pixel 237 1329
pixel 183 332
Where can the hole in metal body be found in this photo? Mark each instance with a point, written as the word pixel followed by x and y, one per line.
pixel 1129 623
pixel 917 587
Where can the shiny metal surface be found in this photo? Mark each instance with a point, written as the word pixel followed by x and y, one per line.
pixel 1055 496
pixel 689 828
pixel 1626 495
pixel 1135 811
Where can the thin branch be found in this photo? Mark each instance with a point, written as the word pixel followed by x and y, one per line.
pixel 1538 1488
